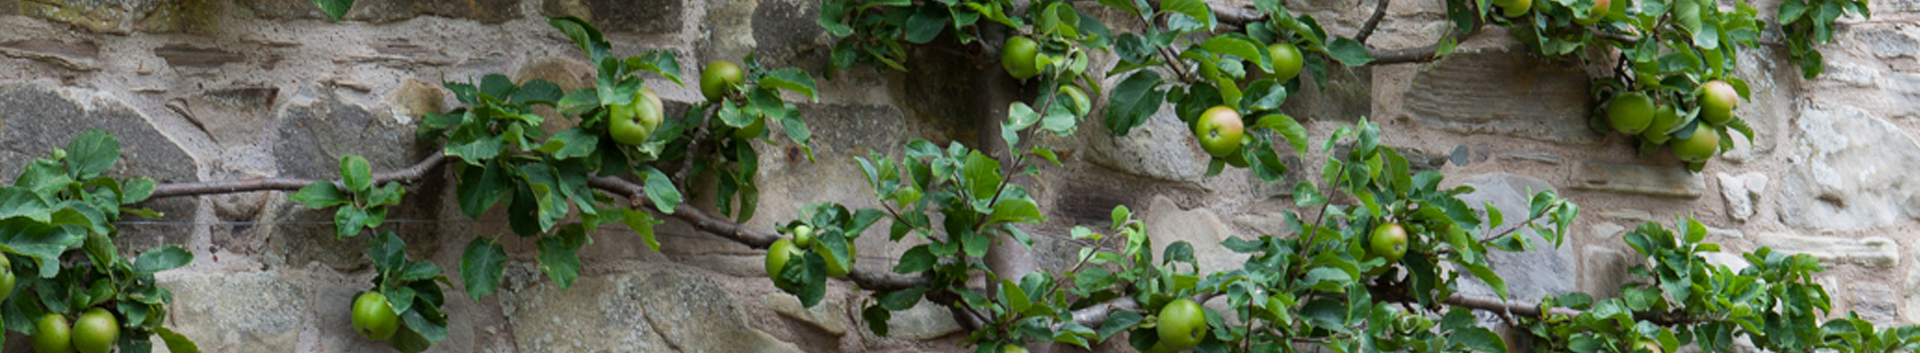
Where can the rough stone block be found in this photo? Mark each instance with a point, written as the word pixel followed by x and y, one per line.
pixel 36 118
pixel 1668 181
pixel 1741 193
pixel 381 11
pixel 234 117
pixel 78 56
pixel 1876 302
pixel 187 55
pixel 1848 170
pixel 1530 274
pixel 1473 93
pixel 828 315
pixel 1201 227
pixel 316 128
pixel 621 16
pixel 1162 149
pixel 1604 270
pixel 1874 252
pixel 225 311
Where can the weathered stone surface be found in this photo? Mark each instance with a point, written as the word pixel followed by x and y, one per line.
pixel 1875 252
pixel 920 322
pixel 1741 192
pixel 1875 302
pixel 1162 149
pixel 189 16
pixel 794 25
pixel 1530 274
pixel 232 116
pixel 1604 270
pixel 316 128
pixel 696 315
pixel 235 312
pixel 1912 294
pixel 1848 170
pixel 300 236
pixel 728 26
pixel 187 55
pixel 1669 181
pixel 1605 230
pixel 35 118
pixel 1348 95
pixel 81 56
pixel 1473 93
pixel 594 314
pixel 828 316
pixel 617 16
pixel 1201 227
pixel 379 11
pixel 106 16
pixel 1733 262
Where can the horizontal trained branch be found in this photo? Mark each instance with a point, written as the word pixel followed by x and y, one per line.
pixel 699 219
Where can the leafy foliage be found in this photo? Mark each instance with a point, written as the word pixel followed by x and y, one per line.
pixel 56 233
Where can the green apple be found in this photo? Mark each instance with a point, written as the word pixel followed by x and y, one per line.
pixel 720 79
pixel 1389 241
pixel 633 123
pixel 6 278
pixel 1513 8
pixel 1630 113
pixel 96 331
pixel 1182 324
pixel 373 318
pixel 1717 101
pixel 803 236
pixel 1595 13
pixel 52 335
pixel 1219 130
pixel 1704 143
pixel 1286 60
pixel 1664 116
pixel 1017 57
pixel 778 255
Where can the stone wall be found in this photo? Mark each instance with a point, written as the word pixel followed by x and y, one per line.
pixel 203 90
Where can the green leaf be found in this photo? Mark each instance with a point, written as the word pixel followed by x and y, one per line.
pixel 658 61
pixel 571 143
pixel 877 319
pixel 558 261
pixel 1349 52
pixel 320 195
pixel 91 153
pixel 139 189
pixel 791 79
pixel 482 266
pixel 177 343
pixel 1014 297
pixel 1016 210
pixel 916 259
pixel 356 173
pixel 660 189
pixel 40 241
pixel 1134 100
pixel 16 202
pixel 582 34
pixel 1486 274
pixel 1295 133
pixel 161 259
pixel 1238 46
pixel 926 24
pixel 1197 9
pixel 389 253
pixel 334 9
pixel 1478 339
pixel 1120 320
pixel 642 222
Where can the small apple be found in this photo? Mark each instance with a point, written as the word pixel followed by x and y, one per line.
pixel 1219 130
pixel 1286 60
pixel 720 79
pixel 1717 101
pixel 1182 324
pixel 633 123
pixel 1630 113
pixel 96 331
pixel 1016 56
pixel 52 335
pixel 373 318
pixel 1594 14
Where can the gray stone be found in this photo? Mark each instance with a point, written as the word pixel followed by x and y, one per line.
pixel 1876 303
pixel 923 321
pixel 1733 262
pixel 1530 274
pixel 1347 96
pixel 1473 93
pixel 1541 157
pixel 316 128
pixel 1741 192
pixel 232 312
pixel 1668 181
pixel 1873 252
pixel 35 118
pixel 105 16
pixel 693 314
pixel 829 315
pixel 1633 215
pixel 795 27
pixel 1605 230
pixel 185 16
pixel 381 11
pixel 617 16
pixel 1912 294
pixel 1848 170
pixel 299 236
pixel 1200 227
pixel 234 117
pixel 80 56
pixel 191 56
pixel 1163 149
pixel 1604 270
pixel 728 26
pixel 594 314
